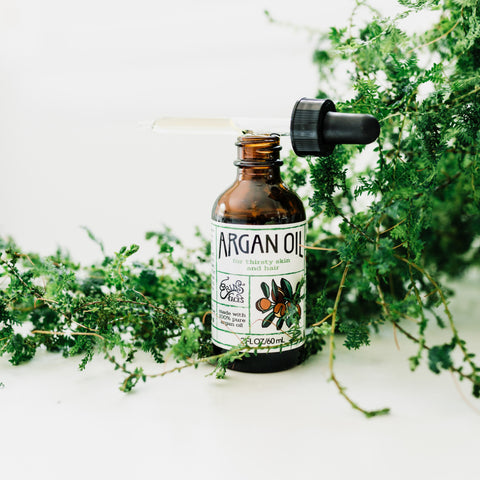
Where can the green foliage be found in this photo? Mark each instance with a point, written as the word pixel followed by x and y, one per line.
pixel 439 357
pixel 115 308
pixel 117 305
pixel 407 212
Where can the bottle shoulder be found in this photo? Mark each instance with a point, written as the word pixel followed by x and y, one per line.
pixel 258 202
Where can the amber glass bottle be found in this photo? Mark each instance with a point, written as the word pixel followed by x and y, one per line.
pixel 258 262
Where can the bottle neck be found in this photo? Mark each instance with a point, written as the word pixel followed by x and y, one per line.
pixel 267 173
pixel 258 158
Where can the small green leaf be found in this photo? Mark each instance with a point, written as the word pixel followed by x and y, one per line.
pixel 133 249
pixel 439 357
pixel 267 321
pixel 280 323
pixel 287 288
pixel 265 290
pixel 274 291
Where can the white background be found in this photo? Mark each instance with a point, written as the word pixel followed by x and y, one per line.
pixel 80 83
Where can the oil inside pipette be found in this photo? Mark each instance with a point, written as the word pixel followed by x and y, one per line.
pixel 219 125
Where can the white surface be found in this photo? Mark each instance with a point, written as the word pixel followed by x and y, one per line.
pixel 60 423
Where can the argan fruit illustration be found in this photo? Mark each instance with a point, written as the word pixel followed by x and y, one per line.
pixel 263 304
pixel 280 296
pixel 277 293
pixel 279 309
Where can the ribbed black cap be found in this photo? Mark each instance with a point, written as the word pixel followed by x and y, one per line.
pixel 306 127
pixel 316 127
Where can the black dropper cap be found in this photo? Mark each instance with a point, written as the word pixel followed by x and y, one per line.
pixel 316 127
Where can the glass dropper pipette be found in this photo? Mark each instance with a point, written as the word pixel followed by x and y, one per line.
pixel 315 127
pixel 219 125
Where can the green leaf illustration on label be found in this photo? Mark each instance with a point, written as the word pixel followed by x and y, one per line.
pixel 265 289
pixel 284 302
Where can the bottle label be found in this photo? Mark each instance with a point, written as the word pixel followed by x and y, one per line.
pixel 258 286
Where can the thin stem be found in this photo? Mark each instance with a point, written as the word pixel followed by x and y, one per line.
pixel 391 228
pixel 324 319
pixel 469 376
pixel 462 395
pixel 471 92
pixel 458 340
pixel 437 39
pixel 83 326
pixel 307 247
pixel 367 413
pixel 395 337
pixel 187 364
pixel 386 311
pixel 331 356
pixel 336 265
pixel 355 227
pixel 334 317
pixel 51 332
